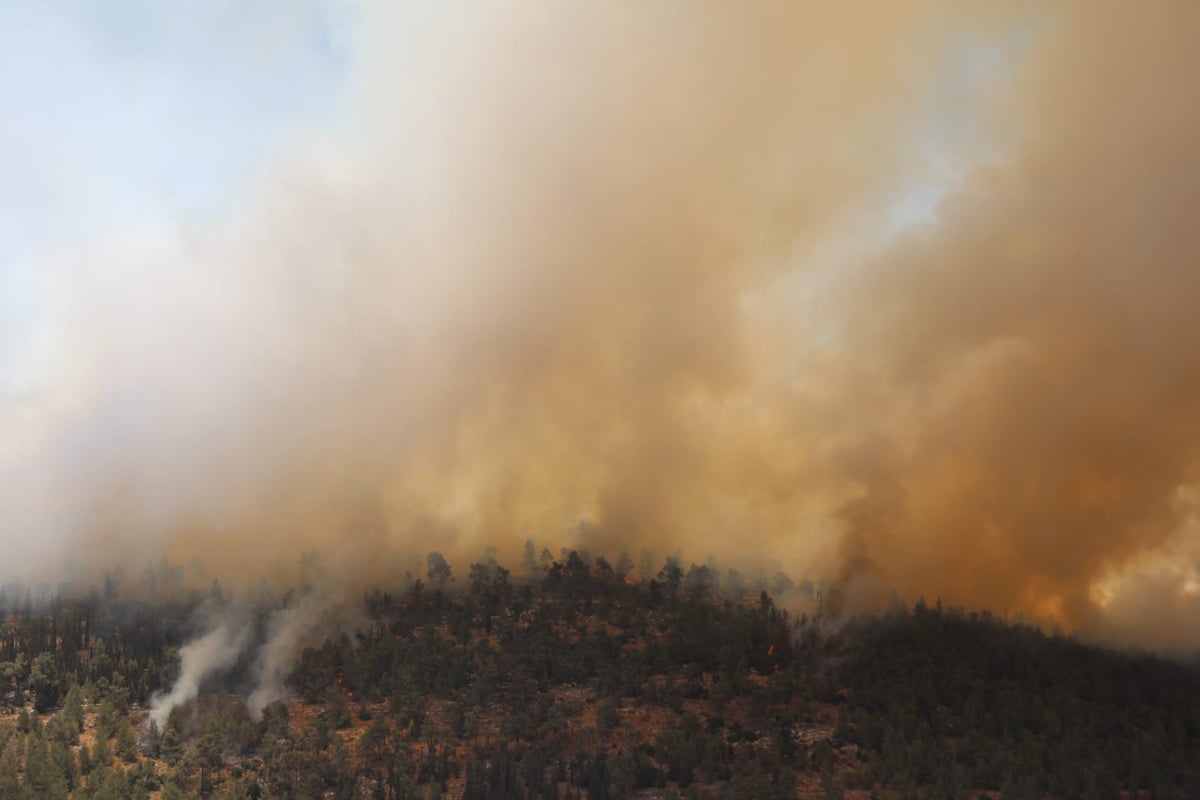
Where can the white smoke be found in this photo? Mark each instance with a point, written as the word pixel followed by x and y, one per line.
pixel 211 654
pixel 291 628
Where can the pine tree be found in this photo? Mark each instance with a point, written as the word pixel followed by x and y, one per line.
pixel 338 708
pixel 171 790
pixel 101 754
pixel 171 748
pixel 10 766
pixel 106 722
pixel 42 775
pixel 72 709
pixel 126 743
pixel 64 762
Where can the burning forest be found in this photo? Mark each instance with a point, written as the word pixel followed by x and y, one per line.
pixel 599 401
pixel 573 682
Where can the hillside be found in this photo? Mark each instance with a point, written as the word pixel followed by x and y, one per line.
pixel 577 681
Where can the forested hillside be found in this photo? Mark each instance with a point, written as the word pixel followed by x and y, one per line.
pixel 578 679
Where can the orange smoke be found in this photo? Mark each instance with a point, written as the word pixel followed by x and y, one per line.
pixel 903 298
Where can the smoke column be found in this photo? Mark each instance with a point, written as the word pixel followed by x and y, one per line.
pixel 200 659
pixel 290 630
pixel 903 295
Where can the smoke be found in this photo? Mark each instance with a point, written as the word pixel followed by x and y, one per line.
pixel 231 640
pixel 290 630
pixel 902 296
pixel 1030 354
pixel 200 659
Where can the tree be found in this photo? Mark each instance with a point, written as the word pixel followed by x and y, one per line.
pixel 604 570
pixel 172 790
pixel 106 722
pixel 101 754
pixel 152 740
pixel 479 576
pixel 529 559
pixel 111 784
pixel 275 720
pixel 624 566
pixel 439 570
pixel 41 774
pixel 64 762
pixel 85 763
pixel 607 714
pixel 10 767
pixel 337 708
pixel 44 682
pixel 126 743
pixel 700 583
pixel 372 748
pixel 671 575
pixel 171 748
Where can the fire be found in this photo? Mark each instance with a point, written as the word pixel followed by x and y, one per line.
pixel 340 678
pixel 771 650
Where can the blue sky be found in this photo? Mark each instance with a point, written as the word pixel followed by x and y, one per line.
pixel 123 114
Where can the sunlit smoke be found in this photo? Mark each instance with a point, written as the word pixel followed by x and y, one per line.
pixel 902 297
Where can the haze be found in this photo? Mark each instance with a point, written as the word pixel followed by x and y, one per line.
pixel 898 296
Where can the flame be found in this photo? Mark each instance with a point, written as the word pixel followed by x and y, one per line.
pixel 340 679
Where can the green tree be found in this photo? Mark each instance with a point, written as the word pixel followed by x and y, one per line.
pixel 72 709
pixel 172 747
pixel 42 775
pixel 44 682
pixel 11 754
pixel 106 720
pixel 337 708
pixel 126 742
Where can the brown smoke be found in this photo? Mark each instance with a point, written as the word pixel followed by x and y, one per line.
pixel 1033 356
pixel 637 267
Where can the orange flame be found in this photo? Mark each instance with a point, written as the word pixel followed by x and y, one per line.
pixel 340 678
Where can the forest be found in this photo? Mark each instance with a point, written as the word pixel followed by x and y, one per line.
pixel 574 677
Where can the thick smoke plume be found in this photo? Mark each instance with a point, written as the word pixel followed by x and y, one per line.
pixel 906 294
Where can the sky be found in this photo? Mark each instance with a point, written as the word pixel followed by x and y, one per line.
pixel 133 114
pixel 893 297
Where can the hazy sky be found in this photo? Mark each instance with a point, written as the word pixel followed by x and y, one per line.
pixel 898 296
pixel 134 113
